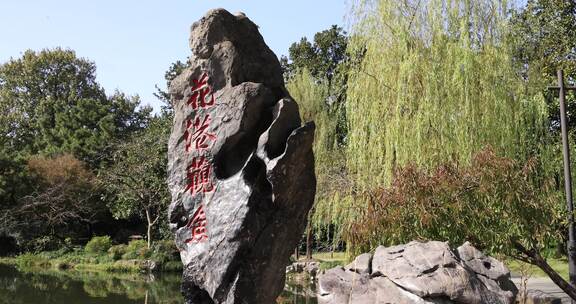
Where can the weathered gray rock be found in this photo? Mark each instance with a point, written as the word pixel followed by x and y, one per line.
pixel 339 285
pixel 533 296
pixel 482 264
pixel 241 168
pixel 361 264
pixel 310 267
pixel 428 272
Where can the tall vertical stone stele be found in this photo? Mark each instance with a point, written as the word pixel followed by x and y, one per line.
pixel 241 166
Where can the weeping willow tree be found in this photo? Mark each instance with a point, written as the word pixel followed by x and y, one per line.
pixel 315 104
pixel 436 83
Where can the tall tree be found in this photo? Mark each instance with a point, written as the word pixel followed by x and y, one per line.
pixel 545 36
pixel 321 57
pixel 136 180
pixel 51 103
pixel 544 40
pixel 427 91
pixel 15 183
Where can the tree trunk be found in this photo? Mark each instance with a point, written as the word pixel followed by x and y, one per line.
pixel 535 259
pixel 309 242
pixel 332 251
pixel 149 231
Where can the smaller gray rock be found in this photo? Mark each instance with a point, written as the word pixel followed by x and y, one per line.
pixel 361 264
pixel 482 264
pixel 533 296
pixel 312 268
pixel 419 272
pixel 341 286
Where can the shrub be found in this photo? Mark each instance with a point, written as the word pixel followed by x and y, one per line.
pixel 136 249
pixel 98 244
pixel 123 267
pixel 28 260
pixel 165 251
pixel 495 202
pixel 44 243
pixel 172 266
pixel 117 251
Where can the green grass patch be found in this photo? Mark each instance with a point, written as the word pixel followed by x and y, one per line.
pixel 521 268
pixel 340 256
pixel 115 259
pixel 330 260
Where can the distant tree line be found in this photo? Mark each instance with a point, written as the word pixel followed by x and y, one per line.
pixel 74 160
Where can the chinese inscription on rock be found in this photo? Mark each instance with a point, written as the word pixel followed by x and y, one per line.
pixel 199 140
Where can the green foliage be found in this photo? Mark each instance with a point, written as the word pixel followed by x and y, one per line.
pixel 321 57
pixel 57 127
pixel 165 251
pixel 98 244
pixel 42 243
pixel 327 62
pixel 136 180
pixel 51 103
pixel 328 150
pixel 15 183
pixel 117 251
pixel 172 266
pixel 132 258
pixel 491 203
pixel 427 90
pixel 29 260
pixel 137 249
pixel 543 37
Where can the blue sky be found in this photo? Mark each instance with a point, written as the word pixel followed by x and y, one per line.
pixel 134 42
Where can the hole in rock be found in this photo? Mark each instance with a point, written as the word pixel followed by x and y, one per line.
pixel 238 148
pixel 255 175
pixel 195 294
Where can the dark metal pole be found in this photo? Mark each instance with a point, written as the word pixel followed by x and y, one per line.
pixel 567 181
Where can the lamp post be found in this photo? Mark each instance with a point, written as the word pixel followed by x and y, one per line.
pixel 567 176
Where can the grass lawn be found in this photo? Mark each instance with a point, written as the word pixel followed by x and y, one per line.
pixel 329 257
pixel 519 268
pixel 329 260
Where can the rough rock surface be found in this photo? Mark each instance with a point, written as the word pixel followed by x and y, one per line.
pixel 310 267
pixel 419 272
pixel 240 163
pixel 533 296
pixel 361 264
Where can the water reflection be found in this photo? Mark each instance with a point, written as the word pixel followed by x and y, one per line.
pixel 51 286
pixel 298 292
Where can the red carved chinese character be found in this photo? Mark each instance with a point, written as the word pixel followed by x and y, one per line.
pixel 199 176
pixel 197 226
pixel 199 135
pixel 200 92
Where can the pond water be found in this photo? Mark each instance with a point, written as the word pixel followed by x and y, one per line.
pixel 73 287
